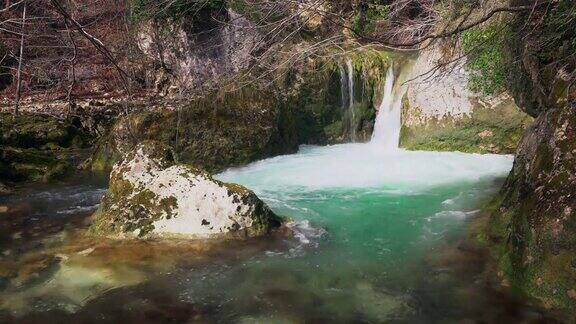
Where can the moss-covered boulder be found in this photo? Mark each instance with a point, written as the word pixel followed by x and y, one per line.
pixel 37 147
pixel 150 194
pixel 213 132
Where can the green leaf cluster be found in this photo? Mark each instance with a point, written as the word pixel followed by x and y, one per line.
pixel 365 23
pixel 486 58
pixel 172 9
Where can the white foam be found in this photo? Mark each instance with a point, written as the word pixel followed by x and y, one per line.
pixel 365 166
pixel 387 124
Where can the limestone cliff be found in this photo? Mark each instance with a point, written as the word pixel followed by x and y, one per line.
pixel 441 113
pixel 308 104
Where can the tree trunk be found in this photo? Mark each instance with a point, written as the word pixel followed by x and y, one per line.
pixel 20 60
pixel 72 72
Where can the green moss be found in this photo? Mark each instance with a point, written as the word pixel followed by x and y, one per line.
pixel 126 212
pixel 236 188
pixel 32 165
pixel 486 58
pixel 173 10
pixel 366 19
pixel 38 148
pixel 334 130
pixel 497 130
pixel 524 257
pixel 59 171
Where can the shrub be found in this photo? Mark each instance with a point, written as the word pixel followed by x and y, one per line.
pixel 174 10
pixel 365 22
pixel 486 58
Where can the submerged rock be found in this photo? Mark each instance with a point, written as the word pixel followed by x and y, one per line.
pixel 151 194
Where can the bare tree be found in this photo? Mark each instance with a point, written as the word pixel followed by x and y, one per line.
pixel 20 60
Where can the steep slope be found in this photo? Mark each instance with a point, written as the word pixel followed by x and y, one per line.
pixel 534 228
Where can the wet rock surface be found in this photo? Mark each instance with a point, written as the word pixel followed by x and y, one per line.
pixel 534 227
pixel 39 147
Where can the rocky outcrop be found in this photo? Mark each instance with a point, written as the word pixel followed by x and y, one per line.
pixel 535 225
pixel 490 127
pixel 195 53
pixel 533 229
pixel 213 132
pixel 150 194
pixel 39 147
pixel 231 128
pixel 437 93
pixel 441 113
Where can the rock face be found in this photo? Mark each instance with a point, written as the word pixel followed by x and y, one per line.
pixel 536 223
pixel 197 51
pixel 231 128
pixel 440 113
pixel 440 94
pixel 533 228
pixel 39 147
pixel 151 195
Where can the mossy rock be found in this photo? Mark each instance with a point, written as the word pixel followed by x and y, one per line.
pixel 35 131
pixel 31 165
pixel 533 230
pixel 150 194
pixel 486 130
pixel 38 147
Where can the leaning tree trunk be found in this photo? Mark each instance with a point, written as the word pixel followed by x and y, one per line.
pixel 20 60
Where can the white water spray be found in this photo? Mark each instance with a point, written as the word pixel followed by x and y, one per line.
pixel 343 86
pixel 387 126
pixel 352 120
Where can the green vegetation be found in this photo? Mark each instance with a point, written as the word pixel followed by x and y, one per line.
pixel 482 132
pixel 364 22
pixel 486 58
pixel 37 148
pixel 173 10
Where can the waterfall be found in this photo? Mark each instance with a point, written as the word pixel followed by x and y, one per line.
pixel 352 117
pixel 387 127
pixel 343 86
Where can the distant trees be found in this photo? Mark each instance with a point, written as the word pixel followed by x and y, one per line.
pixel 20 58
pixel 43 41
pixel 67 49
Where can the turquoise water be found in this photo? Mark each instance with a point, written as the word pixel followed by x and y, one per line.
pixel 367 226
pixel 365 219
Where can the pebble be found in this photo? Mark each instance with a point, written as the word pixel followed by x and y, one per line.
pixel 86 252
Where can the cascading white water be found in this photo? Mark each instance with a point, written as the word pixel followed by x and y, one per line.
pixel 343 86
pixel 352 119
pixel 387 126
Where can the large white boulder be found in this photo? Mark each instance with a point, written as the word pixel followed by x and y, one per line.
pixel 152 195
